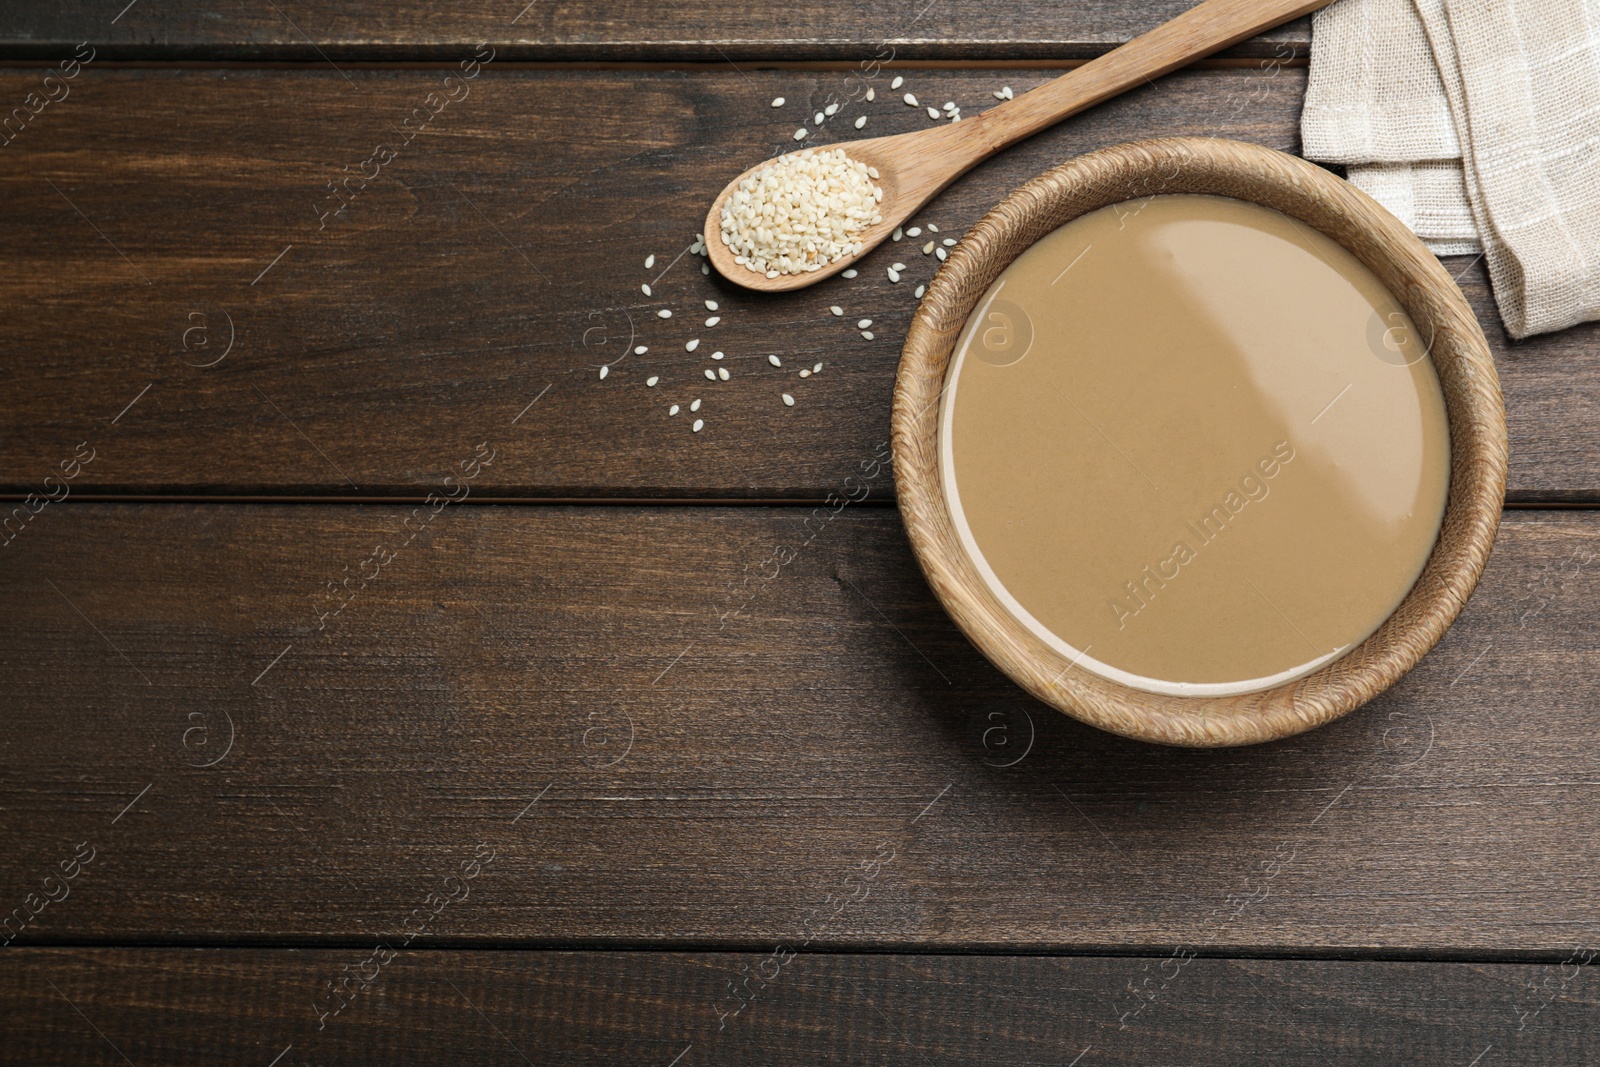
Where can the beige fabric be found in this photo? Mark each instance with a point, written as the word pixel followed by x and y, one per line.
pixel 1477 122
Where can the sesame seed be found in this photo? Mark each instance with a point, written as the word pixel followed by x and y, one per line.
pixel 652 380
pixel 894 275
pixel 711 305
pixel 775 361
pixel 999 94
pixel 898 81
pixel 915 231
pixel 941 253
pixel 777 101
pixel 831 109
pixel 788 400
pixel 920 290
pixel 603 372
pixel 1009 94
pixel 933 112
pixel 673 410
pixel 872 94
pixel 863 324
pixel 817 369
pixel 932 228
pixel 837 310
pixel 713 320
pixel 949 242
pixel 692 345
pixel 911 101
pixel 645 289
pixel 711 375
pixel 640 350
pixel 694 405
pixel 649 261
pixel 699 424
pixel 898 233
pixel 722 372
pixel 816 120
pixel 927 249
pixel 664 314
pixel 861 121
pixel 705 268
pixel 898 266
pixel 716 355
pixel 772 274
pixel 800 134
pixel 805 374
pixel 867 334
pixel 851 273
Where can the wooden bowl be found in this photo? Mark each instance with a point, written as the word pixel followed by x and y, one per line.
pixel 1411 273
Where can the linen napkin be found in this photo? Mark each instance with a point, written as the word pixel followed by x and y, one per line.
pixel 1477 123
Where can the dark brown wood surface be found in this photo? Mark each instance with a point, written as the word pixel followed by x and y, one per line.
pixel 715 781
pixel 499 255
pixel 714 31
pixel 94 1006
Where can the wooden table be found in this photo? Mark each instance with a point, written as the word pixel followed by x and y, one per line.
pixel 383 685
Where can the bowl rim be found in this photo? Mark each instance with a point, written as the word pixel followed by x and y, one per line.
pixel 1417 280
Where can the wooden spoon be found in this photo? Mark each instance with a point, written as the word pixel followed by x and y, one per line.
pixel 914 167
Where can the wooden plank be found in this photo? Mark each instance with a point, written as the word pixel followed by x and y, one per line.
pixel 426 1007
pixel 713 31
pixel 560 686
pixel 499 256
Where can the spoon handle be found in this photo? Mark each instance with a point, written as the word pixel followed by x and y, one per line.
pixel 1203 29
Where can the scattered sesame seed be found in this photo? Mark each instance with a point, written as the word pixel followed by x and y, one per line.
pixel 897 234
pixel 816 120
pixel 673 410
pixel 705 268
pixel 711 375
pixel 911 101
pixel 920 290
pixel 693 344
pixel 649 261
pixel 805 374
pixel 863 324
pixel 713 320
pixel 640 350
pixel 915 231
pixel 788 400
pixel 949 242
pixel 699 424
pixel 645 289
pixel 711 305
pixel 817 369
pixel 956 117
pixel 932 228
pixel 898 81
pixel 872 94
pixel 867 334
pixel 861 121
pixel 837 310
pixel 1009 94
pixel 950 105
pixel 851 273
pixel 800 134
pixel 652 380
pixel 664 314
pixel 927 249
pixel 777 101
pixel 722 372
pixel 941 253
pixel 775 361
pixel 716 355
pixel 898 266
pixel 999 94
pixel 694 405
pixel 603 372
pixel 933 112
pixel 894 275
pixel 831 109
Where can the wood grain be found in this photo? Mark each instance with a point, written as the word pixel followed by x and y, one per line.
pixel 428 1007
pixel 412 325
pixel 712 31
pixel 558 684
